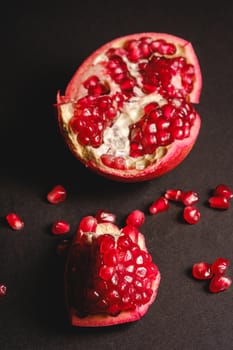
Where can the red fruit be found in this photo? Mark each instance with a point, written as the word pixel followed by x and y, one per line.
pixel 191 215
pixel 109 279
pixel 15 222
pixel 219 283
pixel 60 227
pixel 173 195
pixel 219 266
pixel 224 191
pixel 127 112
pixel 135 218
pixel 105 216
pixel 190 198
pixel 219 202
pixel 57 194
pixel 159 205
pixel 202 270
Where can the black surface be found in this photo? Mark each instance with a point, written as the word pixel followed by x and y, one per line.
pixel 41 46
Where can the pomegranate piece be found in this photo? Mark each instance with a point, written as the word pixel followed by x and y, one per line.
pixel 219 266
pixel 60 227
pixel 109 278
pixel 57 195
pixel 224 191
pixel 14 221
pixel 190 198
pixel 135 218
pixel 105 216
pixel 173 195
pixel 159 205
pixel 219 202
pixel 3 290
pixel 202 270
pixel 191 215
pixel 219 283
pixel 127 113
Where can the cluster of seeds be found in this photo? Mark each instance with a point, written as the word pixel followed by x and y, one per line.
pixel 215 272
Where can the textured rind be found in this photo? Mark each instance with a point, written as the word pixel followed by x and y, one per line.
pixel 176 152
pixel 107 320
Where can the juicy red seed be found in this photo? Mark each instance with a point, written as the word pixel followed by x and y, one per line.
pixel 132 231
pixel 135 218
pixel 105 216
pixel 219 202
pixel 219 266
pixel 190 198
pixel 159 205
pixel 191 215
pixel 3 290
pixel 57 194
pixel 60 227
pixel 106 272
pixel 105 242
pixel 202 271
pixel 173 194
pixel 88 224
pixel 223 190
pixel 219 283
pixel 14 221
pixel 110 257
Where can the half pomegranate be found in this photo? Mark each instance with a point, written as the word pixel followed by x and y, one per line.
pixel 109 276
pixel 127 112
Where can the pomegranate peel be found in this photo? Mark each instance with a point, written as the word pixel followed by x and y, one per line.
pixel 109 279
pixel 127 111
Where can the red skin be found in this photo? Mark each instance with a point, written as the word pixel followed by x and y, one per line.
pixel 176 152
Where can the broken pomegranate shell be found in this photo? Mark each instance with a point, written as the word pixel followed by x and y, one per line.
pixel 127 113
pixel 109 276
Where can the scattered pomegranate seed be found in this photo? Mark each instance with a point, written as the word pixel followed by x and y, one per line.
pixel 135 218
pixel 224 191
pixel 15 221
pixel 3 290
pixel 219 266
pixel 190 198
pixel 60 227
pixel 202 270
pixel 173 194
pixel 219 283
pixel 159 205
pixel 191 215
pixel 57 195
pixel 219 202
pixel 105 216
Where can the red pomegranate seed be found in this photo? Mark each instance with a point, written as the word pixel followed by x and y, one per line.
pixel 190 198
pixel 223 190
pixel 57 194
pixel 15 222
pixel 60 227
pixel 219 202
pixel 3 290
pixel 132 231
pixel 202 270
pixel 135 218
pixel 219 283
pixel 159 205
pixel 191 215
pixel 219 266
pixel 88 224
pixel 105 216
pixel 173 194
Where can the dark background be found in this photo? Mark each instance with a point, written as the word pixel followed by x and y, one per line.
pixel 42 44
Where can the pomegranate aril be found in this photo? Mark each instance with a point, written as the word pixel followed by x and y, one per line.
pixel 202 270
pixel 60 227
pixel 14 221
pixel 88 224
pixel 191 215
pixel 173 195
pixel 223 190
pixel 105 216
pixel 219 202
pixel 219 283
pixel 57 194
pixel 135 218
pixel 190 198
pixel 159 205
pixel 3 290
pixel 219 266
pixel 132 231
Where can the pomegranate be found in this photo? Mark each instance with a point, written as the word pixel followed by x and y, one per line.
pixel 109 276
pixel 15 221
pixel 127 112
